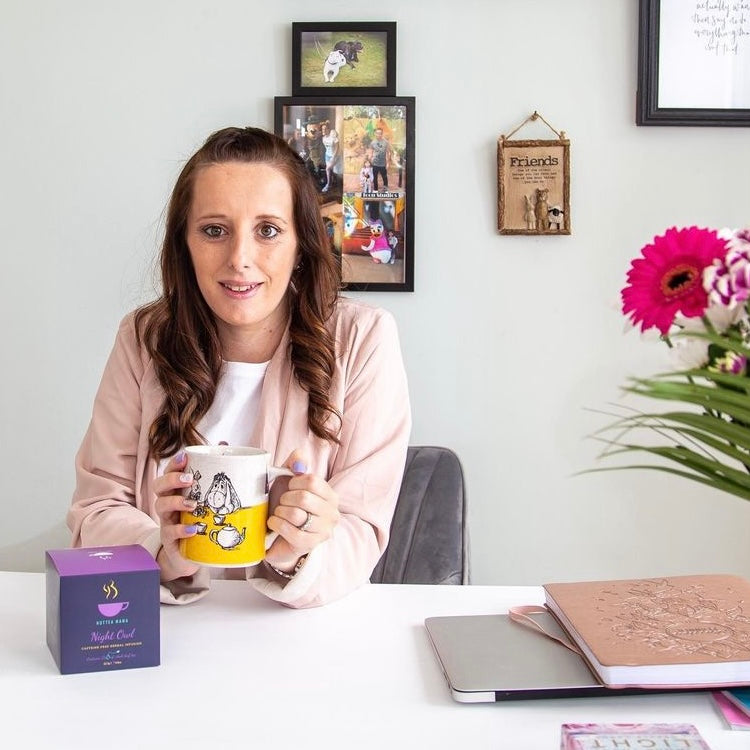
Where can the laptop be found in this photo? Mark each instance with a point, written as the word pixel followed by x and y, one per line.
pixel 489 658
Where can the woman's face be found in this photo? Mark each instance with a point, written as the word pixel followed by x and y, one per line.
pixel 243 244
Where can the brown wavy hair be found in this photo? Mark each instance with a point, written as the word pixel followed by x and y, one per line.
pixel 178 329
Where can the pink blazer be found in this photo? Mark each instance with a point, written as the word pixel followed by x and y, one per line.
pixel 113 502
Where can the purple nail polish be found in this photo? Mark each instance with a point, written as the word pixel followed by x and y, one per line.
pixel 299 467
pixel 186 477
pixel 180 456
pixel 192 529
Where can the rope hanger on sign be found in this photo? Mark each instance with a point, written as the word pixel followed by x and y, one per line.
pixel 532 118
pixel 533 181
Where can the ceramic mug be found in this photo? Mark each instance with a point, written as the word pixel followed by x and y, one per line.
pixel 230 486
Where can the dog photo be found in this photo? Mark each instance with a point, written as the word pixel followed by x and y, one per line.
pixel 331 59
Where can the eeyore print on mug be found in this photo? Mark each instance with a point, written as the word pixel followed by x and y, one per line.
pixel 232 511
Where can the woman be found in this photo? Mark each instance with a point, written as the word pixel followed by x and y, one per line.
pixel 331 143
pixel 249 343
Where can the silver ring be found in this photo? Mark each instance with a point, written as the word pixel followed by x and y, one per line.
pixel 306 524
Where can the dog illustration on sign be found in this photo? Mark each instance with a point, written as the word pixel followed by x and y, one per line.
pixel 539 216
pixel 556 217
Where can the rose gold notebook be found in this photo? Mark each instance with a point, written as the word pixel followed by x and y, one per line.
pixel 676 631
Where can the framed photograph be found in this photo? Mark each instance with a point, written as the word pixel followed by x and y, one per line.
pixel 360 152
pixel 344 59
pixel 693 59
pixel 533 186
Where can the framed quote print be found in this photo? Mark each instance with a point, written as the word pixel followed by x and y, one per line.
pixel 360 153
pixel 693 63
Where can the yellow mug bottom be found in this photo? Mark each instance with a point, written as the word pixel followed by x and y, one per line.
pixel 235 540
pixel 225 565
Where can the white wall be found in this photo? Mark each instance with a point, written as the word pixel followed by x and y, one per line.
pixel 507 340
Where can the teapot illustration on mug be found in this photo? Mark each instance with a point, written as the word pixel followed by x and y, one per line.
pixel 228 537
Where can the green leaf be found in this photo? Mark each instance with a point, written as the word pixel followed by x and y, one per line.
pixel 710 444
pixel 725 379
pixel 722 400
pixel 698 463
pixel 728 487
pixel 733 434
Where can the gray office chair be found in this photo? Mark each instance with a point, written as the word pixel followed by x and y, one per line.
pixel 429 536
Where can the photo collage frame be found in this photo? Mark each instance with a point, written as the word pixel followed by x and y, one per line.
pixel 356 138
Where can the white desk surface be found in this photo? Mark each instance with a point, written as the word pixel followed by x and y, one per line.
pixel 358 673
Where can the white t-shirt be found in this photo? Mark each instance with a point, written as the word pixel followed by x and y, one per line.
pixel 234 411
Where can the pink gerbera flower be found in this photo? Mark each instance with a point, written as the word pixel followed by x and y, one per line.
pixel 668 279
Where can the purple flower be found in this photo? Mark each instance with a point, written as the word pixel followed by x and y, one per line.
pixel 731 363
pixel 727 281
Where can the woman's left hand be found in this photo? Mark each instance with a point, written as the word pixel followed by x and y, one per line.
pixel 304 516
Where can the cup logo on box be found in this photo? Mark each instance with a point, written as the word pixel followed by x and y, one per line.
pixel 111 608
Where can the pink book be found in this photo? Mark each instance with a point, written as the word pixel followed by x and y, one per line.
pixel 635 736
pixel 734 717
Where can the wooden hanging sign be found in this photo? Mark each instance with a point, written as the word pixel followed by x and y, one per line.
pixel 533 184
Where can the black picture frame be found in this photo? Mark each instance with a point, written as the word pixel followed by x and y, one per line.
pixel 368 213
pixel 648 109
pixel 363 58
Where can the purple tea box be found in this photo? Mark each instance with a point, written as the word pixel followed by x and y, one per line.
pixel 102 608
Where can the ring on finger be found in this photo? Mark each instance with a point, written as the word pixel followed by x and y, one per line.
pixel 305 525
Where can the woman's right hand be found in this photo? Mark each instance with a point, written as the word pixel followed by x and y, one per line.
pixel 170 500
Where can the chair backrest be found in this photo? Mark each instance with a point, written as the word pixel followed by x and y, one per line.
pixel 429 536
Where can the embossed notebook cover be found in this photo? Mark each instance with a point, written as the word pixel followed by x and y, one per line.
pixel 673 631
pixel 632 736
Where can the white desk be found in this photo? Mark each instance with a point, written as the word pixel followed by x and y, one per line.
pixel 358 673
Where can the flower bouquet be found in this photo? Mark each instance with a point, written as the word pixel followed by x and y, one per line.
pixel 693 285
